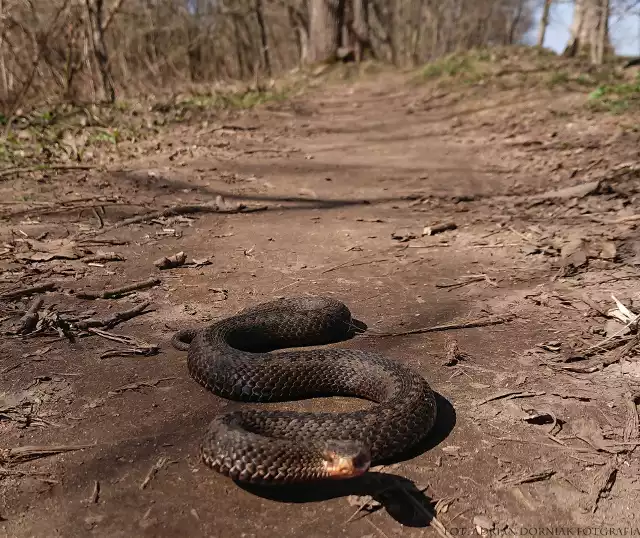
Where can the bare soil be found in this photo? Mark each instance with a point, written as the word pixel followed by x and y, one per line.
pixel 536 430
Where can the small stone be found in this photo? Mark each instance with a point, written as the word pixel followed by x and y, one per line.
pixel 483 522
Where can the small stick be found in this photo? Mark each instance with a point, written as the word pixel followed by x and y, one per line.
pixel 376 528
pixel 138 346
pixel 45 286
pixel 630 218
pixel 114 319
pixel 104 257
pixel 43 168
pixel 631 426
pixel 95 212
pixel 349 264
pixel 466 282
pixel 594 306
pixel 30 319
pixel 604 481
pixel 510 395
pixel 95 494
pixel 528 478
pixel 117 292
pixel 169 262
pixel 180 210
pixel 153 471
pixel 434 521
pixel 27 453
pixel 439 228
pixel 483 322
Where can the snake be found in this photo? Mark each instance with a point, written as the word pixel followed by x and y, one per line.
pixel 243 358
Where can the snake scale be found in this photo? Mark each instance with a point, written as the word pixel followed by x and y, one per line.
pixel 234 359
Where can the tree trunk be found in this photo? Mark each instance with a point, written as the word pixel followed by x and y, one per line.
pixel 95 12
pixel 264 44
pixel 514 23
pixel 544 22
pixel 361 29
pixel 589 30
pixel 325 25
pixel 599 47
pixel 298 18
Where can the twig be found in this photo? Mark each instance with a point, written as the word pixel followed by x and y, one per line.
pixel 602 484
pixel 170 262
pixel 483 322
pixel 153 471
pixel 439 228
pixel 466 282
pixel 29 321
pixel 28 453
pixel 114 319
pixel 510 394
pixel 630 218
pixel 377 528
pixel 547 445
pixel 351 264
pixel 139 384
pixel 103 257
pixel 620 353
pixel 44 167
pixel 38 288
pixel 180 210
pixel 527 478
pixel 117 292
pixel 631 424
pixel 594 306
pixel 530 241
pixel 591 349
pixel 95 493
pixel 139 347
pixel 437 525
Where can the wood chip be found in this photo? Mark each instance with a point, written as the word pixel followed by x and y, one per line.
pixel 439 228
pixel 169 262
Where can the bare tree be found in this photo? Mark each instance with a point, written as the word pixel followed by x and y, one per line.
pixel 589 30
pixel 299 21
pixel 263 36
pixel 95 17
pixel 360 29
pixel 544 22
pixel 83 50
pixel 325 27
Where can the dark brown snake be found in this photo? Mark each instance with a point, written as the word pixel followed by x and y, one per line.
pixel 233 359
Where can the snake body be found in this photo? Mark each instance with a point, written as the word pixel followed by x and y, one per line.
pixel 233 358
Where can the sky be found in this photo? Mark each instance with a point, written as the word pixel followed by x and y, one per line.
pixel 625 31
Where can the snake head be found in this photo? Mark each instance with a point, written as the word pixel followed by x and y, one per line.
pixel 345 459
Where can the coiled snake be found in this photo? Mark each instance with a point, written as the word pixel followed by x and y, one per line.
pixel 232 359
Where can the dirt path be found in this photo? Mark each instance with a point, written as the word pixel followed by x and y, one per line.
pixel 533 431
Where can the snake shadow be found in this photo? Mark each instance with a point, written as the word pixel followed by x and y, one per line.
pixel 399 496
